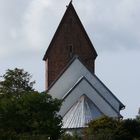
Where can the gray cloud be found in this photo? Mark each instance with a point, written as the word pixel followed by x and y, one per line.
pixel 114 22
pixel 30 25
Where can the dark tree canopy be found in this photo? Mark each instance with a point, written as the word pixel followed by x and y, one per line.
pixel 34 114
pixel 25 111
pixel 106 128
pixel 133 127
pixel 16 81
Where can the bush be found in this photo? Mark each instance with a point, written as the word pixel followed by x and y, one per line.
pixel 105 128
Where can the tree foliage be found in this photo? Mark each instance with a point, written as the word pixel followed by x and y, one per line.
pixel 105 128
pixel 30 114
pixel 132 126
pixel 34 114
pixel 16 81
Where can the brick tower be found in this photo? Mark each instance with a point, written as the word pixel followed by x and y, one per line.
pixel 70 39
pixel 72 79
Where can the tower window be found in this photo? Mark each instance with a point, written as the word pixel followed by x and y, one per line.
pixel 70 50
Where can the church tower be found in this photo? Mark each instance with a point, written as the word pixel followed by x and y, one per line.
pixel 70 39
pixel 70 75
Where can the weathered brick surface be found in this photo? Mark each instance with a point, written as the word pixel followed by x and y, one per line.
pixel 70 41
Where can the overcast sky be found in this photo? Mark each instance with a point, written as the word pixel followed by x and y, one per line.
pixel 27 27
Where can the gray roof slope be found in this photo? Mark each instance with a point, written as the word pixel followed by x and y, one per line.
pixel 81 113
pixel 72 73
pixel 84 87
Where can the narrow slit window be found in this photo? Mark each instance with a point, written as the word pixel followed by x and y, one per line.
pixel 70 50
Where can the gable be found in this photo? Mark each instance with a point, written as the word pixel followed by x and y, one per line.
pixel 83 87
pixel 71 76
pixel 82 111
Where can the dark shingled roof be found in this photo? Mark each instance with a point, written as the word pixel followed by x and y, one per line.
pixel 69 7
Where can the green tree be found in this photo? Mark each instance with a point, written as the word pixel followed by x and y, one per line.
pixel 34 114
pixel 30 114
pixel 16 81
pixel 105 128
pixel 132 126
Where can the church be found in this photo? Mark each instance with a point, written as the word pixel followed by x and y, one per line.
pixel 70 75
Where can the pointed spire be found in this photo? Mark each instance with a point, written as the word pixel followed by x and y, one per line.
pixel 69 4
pixel 71 8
